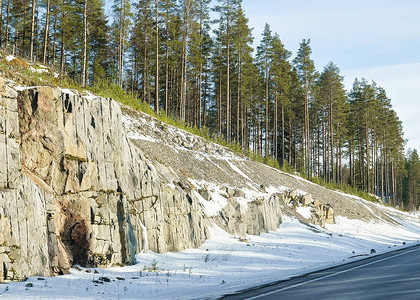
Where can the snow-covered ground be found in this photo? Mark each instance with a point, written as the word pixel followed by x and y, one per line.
pixel 224 263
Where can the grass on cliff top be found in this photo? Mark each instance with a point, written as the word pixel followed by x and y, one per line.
pixel 26 74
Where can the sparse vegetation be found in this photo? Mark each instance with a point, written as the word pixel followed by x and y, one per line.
pixel 152 268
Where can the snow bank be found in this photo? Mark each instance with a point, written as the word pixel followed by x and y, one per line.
pixel 224 263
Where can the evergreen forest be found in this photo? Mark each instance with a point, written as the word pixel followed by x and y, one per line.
pixel 194 61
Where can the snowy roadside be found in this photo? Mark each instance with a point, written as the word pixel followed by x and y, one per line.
pixel 225 264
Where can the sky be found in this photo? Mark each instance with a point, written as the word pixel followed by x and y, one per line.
pixel 373 39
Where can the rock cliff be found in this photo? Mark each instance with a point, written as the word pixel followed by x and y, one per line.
pixel 86 181
pixel 77 188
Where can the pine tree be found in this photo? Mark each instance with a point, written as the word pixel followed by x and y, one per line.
pixel 157 56
pixel 142 42
pixel 412 181
pixel 242 55
pixel 121 26
pixel 226 10
pixel 281 70
pixel 331 97
pixel 1 23
pixel 264 60
pixel 168 12
pixel 31 51
pixel 98 43
pixel 305 68
pixel 46 31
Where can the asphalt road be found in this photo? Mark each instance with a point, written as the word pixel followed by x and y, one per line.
pixel 394 275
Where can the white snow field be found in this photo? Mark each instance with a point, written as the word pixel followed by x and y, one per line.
pixel 225 264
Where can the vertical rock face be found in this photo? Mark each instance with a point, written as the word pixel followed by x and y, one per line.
pixel 74 190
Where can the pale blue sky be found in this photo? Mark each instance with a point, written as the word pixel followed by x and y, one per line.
pixel 374 39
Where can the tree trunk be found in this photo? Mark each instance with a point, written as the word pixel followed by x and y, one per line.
pixel 325 161
pixel 393 184
pixel 330 120
pixel 238 102
pixel 167 81
pixel 367 157
pixel 167 62
pixel 290 142
pixel 282 135
pixel 54 42
pixel 228 113
pixel 31 51
pixel 46 33
pixel 219 106
pixel 85 27
pixel 121 44
pixel 62 56
pixel 144 72
pixel 306 131
pixel 1 23
pixel 6 39
pixel 275 127
pixel 266 154
pixel 204 120
pixel 382 172
pixel 184 61
pixel 157 58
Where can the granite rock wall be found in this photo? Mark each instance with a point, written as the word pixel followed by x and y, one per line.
pixel 75 190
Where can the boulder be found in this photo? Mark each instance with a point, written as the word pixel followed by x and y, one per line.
pixel 229 191
pixel 205 194
pixel 293 194
pixel 239 193
pixel 306 200
pixel 329 214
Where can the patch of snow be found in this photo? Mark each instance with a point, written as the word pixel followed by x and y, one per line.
pixel 134 135
pixel 67 91
pixel 130 124
pixel 252 195
pixel 171 185
pixel 38 70
pixel 89 96
pixel 199 156
pixel 223 264
pixel 304 211
pixel 243 204
pixel 9 58
pixel 274 190
pixel 213 206
pixel 23 88
pixel 237 170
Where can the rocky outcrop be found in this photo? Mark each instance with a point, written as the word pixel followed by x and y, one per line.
pixel 75 189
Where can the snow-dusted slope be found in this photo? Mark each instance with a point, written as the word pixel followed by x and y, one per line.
pixel 206 164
